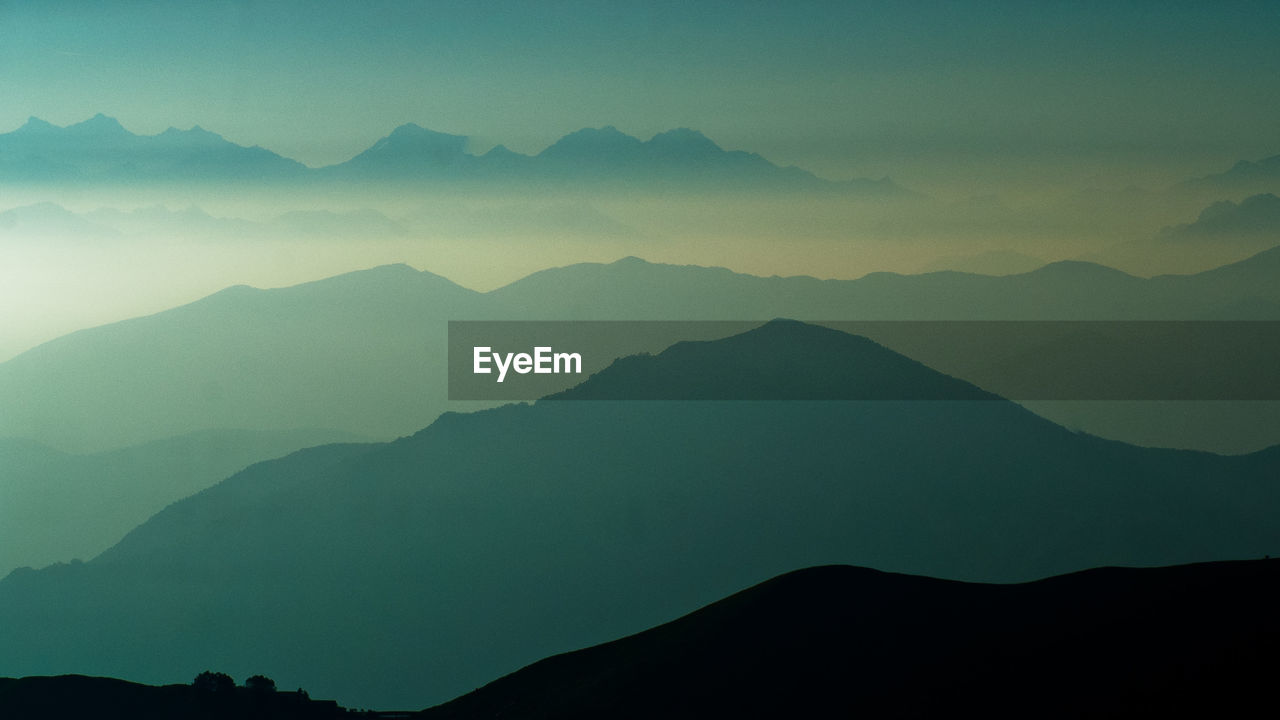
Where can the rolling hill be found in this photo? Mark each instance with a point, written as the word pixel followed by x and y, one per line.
pixel 1188 641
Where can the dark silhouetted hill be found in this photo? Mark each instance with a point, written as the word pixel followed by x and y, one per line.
pixel 781 360
pixel 403 574
pixel 839 641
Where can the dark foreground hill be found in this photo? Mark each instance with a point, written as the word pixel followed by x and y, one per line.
pixel 838 641
pixel 406 573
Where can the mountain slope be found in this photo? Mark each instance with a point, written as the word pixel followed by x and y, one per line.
pixel 55 507
pixel 402 574
pixel 354 350
pixel 1183 641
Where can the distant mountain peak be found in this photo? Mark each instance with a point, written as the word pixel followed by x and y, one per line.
pixel 35 124
pixel 592 142
pixel 779 360
pixel 411 143
pixel 1078 268
pixel 99 123
pixel 685 141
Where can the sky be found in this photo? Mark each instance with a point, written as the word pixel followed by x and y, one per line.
pixel 933 94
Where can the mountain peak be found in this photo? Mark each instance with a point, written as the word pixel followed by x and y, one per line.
pixel 686 141
pixel 592 143
pixel 416 131
pixel 779 360
pixel 1078 269
pixel 410 143
pixel 35 124
pixel 101 124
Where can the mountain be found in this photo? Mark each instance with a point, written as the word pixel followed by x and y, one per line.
pixel 355 350
pixel 680 158
pixel 992 262
pixel 59 506
pixel 410 151
pixel 842 641
pixel 406 573
pixel 773 362
pixel 364 352
pixel 99 150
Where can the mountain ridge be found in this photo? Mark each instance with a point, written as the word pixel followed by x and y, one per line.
pixel 677 158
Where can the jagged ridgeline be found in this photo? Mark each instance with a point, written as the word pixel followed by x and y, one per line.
pixel 99 152
pixel 406 573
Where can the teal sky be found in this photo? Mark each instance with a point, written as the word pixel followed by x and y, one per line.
pixel 920 91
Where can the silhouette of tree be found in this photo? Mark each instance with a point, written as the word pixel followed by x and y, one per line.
pixel 214 683
pixel 261 684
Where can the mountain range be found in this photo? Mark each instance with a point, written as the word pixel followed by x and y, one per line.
pixel 406 573
pixel 364 352
pixel 100 151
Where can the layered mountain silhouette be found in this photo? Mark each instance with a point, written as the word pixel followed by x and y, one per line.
pixel 364 352
pixel 101 151
pixel 839 641
pixel 402 574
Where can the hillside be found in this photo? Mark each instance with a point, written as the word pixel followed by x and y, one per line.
pixel 1188 641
